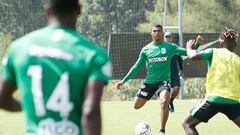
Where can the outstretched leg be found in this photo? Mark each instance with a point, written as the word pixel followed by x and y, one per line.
pixel 190 124
pixel 139 102
pixel 237 121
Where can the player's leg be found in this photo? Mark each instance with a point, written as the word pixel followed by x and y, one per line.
pixel 175 84
pixel 164 99
pixel 144 94
pixel 237 121
pixel 139 102
pixel 190 124
pixel 232 111
pixel 201 113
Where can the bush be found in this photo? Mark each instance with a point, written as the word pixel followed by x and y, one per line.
pixel 193 88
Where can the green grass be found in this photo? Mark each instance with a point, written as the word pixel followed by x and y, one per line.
pixel 119 118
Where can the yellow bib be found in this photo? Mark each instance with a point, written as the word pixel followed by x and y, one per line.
pixel 223 77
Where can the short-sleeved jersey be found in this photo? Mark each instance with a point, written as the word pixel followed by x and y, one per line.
pixel 50 68
pixel 223 77
pixel 157 58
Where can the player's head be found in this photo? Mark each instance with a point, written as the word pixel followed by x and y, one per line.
pixel 228 38
pixel 168 37
pixel 63 10
pixel 157 32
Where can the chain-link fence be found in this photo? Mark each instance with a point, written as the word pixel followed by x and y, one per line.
pixel 101 18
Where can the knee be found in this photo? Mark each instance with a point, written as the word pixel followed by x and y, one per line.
pixel 137 106
pixel 184 124
pixel 187 125
pixel 164 103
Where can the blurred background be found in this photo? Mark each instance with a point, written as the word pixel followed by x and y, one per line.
pixel 122 28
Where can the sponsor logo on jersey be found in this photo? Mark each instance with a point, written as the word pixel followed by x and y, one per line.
pixel 157 59
pixel 56 53
pixel 163 50
pixel 51 127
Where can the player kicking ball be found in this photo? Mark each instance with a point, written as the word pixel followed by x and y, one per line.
pixel 157 58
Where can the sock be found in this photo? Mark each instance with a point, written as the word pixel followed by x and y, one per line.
pixel 162 130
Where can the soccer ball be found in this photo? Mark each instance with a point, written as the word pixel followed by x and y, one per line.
pixel 142 128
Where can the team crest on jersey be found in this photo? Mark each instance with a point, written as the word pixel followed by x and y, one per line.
pixel 163 50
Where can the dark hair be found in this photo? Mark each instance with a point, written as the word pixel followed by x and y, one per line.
pixel 230 36
pixel 63 7
pixel 157 25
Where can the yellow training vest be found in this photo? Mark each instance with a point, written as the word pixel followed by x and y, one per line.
pixel 223 77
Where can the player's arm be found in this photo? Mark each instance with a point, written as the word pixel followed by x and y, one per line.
pixel 183 52
pixel 135 68
pixel 201 55
pixel 91 116
pixel 7 101
pixel 8 85
pixel 192 46
pixel 100 74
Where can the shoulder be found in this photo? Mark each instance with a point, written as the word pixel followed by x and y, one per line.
pixel 147 47
pixel 170 45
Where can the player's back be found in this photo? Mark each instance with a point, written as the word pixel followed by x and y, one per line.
pixel 51 67
pixel 223 74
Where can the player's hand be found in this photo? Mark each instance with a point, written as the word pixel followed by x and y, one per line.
pixel 119 85
pixel 200 40
pixel 190 43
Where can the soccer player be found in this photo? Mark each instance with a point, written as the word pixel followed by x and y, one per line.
pixel 60 76
pixel 222 84
pixel 176 70
pixel 157 57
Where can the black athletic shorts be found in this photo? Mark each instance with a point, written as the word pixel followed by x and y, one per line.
pixel 148 90
pixel 206 110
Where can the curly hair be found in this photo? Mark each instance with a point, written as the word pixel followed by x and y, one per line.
pixel 229 36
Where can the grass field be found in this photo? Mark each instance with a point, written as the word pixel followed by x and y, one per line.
pixel 119 118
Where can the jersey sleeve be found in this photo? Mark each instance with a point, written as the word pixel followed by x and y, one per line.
pixel 136 67
pixel 8 67
pixel 179 50
pixel 206 54
pixel 101 69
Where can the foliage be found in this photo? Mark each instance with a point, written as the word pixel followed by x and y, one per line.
pixel 128 92
pixel 6 40
pixel 193 88
pixel 103 17
pixel 198 16
pixel 17 18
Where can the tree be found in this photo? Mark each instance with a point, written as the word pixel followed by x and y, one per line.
pixel 103 17
pixel 20 17
pixel 198 16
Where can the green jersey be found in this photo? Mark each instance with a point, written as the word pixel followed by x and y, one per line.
pixel 50 68
pixel 157 58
